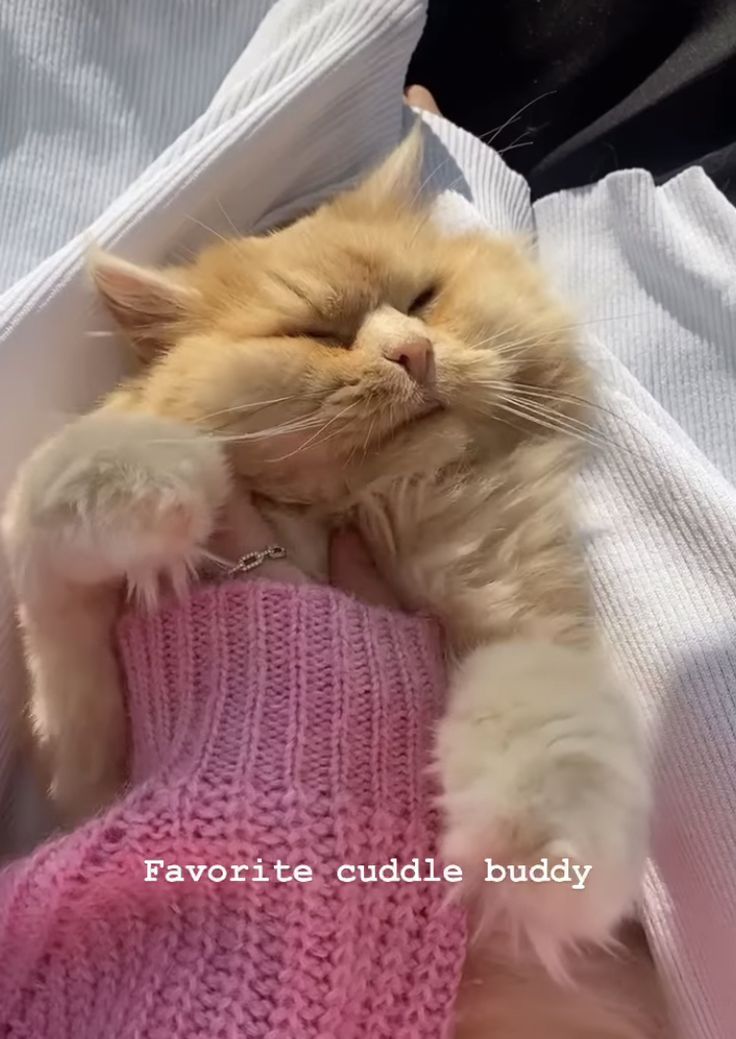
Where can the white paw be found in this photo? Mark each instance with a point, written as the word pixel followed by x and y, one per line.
pixel 540 758
pixel 113 496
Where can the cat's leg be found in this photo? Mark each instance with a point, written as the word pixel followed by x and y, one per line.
pixel 541 759
pixel 114 500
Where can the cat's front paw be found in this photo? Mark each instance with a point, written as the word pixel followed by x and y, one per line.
pixel 116 496
pixel 546 797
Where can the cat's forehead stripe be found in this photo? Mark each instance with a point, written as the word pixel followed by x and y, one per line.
pixel 327 299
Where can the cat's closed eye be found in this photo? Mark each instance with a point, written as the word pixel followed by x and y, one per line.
pixel 425 297
pixel 319 334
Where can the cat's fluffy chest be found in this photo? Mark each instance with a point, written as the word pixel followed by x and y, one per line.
pixel 431 534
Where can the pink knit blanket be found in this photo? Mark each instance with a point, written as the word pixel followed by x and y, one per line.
pixel 281 738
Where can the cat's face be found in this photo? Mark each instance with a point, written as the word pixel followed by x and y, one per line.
pixel 319 342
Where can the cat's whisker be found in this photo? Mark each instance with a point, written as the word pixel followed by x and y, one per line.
pixel 610 317
pixel 557 422
pixel 513 147
pixel 219 561
pixel 232 226
pixel 238 409
pixel 331 436
pixel 501 333
pixel 506 422
pixel 515 348
pixel 494 337
pixel 260 434
pixel 351 455
pixel 538 393
pixel 284 429
pixel 369 433
pixel 571 422
pixel 494 134
pixel 513 118
pixel 181 254
pixel 560 328
pixel 519 139
pixel 330 421
pixel 527 390
pixel 234 241
pixel 547 423
pixel 206 227
pixel 302 447
pixel 314 441
pixel 430 176
pixel 421 219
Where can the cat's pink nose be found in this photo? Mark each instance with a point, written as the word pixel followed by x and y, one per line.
pixel 415 356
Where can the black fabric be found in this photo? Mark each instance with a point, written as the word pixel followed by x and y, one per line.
pixel 588 86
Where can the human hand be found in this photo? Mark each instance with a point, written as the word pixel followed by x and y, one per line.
pixel 419 97
pixel 351 568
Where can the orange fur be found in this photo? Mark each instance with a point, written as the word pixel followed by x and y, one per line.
pixel 274 354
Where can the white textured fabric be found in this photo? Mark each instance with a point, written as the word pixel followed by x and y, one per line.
pixel 650 270
pixel 142 122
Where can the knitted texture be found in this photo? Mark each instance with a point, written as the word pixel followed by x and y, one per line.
pixel 269 723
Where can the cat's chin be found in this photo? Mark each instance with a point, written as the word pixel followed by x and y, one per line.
pixel 425 410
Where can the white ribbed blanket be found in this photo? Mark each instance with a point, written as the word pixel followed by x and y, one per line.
pixel 140 122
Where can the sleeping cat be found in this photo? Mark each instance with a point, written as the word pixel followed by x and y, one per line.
pixel 360 366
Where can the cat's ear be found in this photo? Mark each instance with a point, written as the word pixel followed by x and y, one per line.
pixel 396 181
pixel 150 306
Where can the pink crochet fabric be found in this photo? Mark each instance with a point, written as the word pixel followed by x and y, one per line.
pixel 273 723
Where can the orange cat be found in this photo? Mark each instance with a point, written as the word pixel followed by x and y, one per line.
pixel 359 365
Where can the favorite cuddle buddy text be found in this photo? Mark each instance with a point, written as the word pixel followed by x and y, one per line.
pixel 413 871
